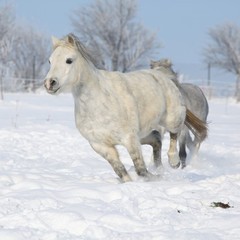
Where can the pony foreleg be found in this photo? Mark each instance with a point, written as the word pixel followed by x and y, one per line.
pixel 182 154
pixel 182 146
pixel 173 158
pixel 134 150
pixel 154 139
pixel 111 155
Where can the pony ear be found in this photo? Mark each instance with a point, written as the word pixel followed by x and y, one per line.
pixel 55 41
pixel 169 61
pixel 71 40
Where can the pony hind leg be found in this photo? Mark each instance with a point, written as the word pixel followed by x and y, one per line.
pixel 189 142
pixel 154 139
pixel 193 145
pixel 111 155
pixel 173 158
pixel 196 147
pixel 174 123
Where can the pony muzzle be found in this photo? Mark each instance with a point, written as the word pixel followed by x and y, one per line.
pixel 51 85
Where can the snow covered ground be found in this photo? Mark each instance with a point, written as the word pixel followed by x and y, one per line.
pixel 53 186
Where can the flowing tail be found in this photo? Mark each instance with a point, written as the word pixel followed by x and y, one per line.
pixel 198 127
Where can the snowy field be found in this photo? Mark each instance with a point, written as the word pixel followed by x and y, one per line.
pixel 53 186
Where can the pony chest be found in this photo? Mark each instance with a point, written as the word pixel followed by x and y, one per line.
pixel 95 125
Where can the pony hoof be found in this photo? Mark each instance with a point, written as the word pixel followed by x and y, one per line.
pixel 126 178
pixel 183 165
pixel 173 160
pixel 175 166
pixel 151 177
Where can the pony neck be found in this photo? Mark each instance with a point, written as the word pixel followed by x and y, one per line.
pixel 87 80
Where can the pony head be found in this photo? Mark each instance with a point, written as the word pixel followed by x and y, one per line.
pixel 64 62
pixel 167 63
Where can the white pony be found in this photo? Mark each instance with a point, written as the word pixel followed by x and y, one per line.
pixel 113 108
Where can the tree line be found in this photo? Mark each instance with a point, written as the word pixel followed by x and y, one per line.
pixel 31 51
pixel 23 49
pixel 118 40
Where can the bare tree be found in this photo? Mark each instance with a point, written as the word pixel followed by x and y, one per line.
pixel 31 50
pixel 7 22
pixel 110 29
pixel 223 51
pixel 23 50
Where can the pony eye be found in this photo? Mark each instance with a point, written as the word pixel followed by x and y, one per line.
pixel 69 61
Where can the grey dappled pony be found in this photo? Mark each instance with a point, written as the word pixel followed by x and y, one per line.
pixel 113 108
pixel 194 100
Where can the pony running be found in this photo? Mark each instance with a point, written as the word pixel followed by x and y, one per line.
pixel 194 99
pixel 113 108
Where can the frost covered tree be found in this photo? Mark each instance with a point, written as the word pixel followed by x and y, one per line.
pixel 223 50
pixel 30 52
pixel 7 19
pixel 7 22
pixel 111 30
pixel 24 51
